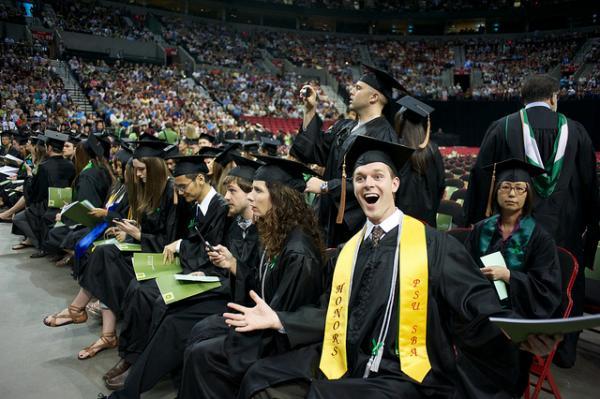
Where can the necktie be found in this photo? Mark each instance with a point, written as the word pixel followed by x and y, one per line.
pixel 376 235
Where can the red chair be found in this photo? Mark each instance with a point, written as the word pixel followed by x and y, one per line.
pixel 541 365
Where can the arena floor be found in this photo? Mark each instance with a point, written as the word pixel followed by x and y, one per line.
pixel 41 362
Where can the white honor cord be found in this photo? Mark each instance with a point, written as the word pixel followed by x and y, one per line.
pixel 262 275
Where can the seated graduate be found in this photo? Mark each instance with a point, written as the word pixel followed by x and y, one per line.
pixel 143 302
pixel 164 352
pixel 13 194
pixel 422 177
pixel 402 295
pixel 55 171
pixel 532 273
pixel 288 276
pixel 92 183
pixel 107 272
pixel 11 186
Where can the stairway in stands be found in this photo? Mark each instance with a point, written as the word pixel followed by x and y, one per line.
pixel 72 86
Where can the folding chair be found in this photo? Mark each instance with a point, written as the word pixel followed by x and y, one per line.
pixel 541 366
pixel 592 287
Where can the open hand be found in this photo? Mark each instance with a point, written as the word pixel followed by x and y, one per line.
pixel 169 251
pixel 260 317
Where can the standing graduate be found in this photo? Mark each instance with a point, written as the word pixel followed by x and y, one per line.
pixel 370 98
pixel 567 203
pixel 532 275
pixel 55 171
pixel 422 177
pixel 164 352
pixel 108 271
pixel 143 301
pixel 290 275
pixel 402 295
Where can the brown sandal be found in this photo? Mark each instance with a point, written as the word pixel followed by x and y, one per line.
pixel 109 341
pixel 76 315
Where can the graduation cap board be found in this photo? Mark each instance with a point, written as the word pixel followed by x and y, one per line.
pixel 124 155
pixel 245 167
pixel 208 137
pixel 511 170
pixel 417 112
pixel 284 171
pixel 227 153
pixel 209 152
pixel 55 139
pixel 270 145
pixel 366 150
pixel 21 138
pixel 189 165
pixel 381 81
pixel 93 146
pixel 148 148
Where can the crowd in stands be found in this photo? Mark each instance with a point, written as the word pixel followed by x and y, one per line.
pixel 31 92
pixel 96 19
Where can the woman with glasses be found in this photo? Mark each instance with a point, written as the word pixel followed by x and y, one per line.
pixel 530 275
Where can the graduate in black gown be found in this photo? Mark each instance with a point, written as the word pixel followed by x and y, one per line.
pixel 532 277
pixel 422 177
pixel 143 302
pixel 289 275
pixel 567 203
pixel 55 171
pixel 164 352
pixel 92 183
pixel 108 271
pixel 370 98
pixel 402 295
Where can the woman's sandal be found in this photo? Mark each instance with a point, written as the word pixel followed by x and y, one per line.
pixel 76 315
pixel 109 341
pixel 21 245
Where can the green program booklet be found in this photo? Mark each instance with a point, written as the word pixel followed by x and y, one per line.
pixel 149 265
pixel 79 212
pixel 173 290
pixel 59 197
pixel 123 246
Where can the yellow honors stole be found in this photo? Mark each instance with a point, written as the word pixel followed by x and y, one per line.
pixel 412 329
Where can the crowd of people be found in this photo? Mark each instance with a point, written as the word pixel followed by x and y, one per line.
pixel 254 227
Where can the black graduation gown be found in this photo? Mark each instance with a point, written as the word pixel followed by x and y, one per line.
pixel 534 293
pixel 109 271
pixel 143 302
pixel 93 185
pixel 164 352
pixel 328 150
pixel 53 172
pixel 419 195
pixel 573 208
pixel 459 302
pixel 213 368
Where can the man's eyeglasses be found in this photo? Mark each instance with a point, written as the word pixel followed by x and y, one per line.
pixel 182 187
pixel 506 188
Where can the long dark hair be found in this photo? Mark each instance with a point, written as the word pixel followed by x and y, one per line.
pixel 157 176
pixel 288 211
pixel 83 157
pixel 412 135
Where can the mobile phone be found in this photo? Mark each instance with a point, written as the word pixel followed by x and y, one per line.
pixel 206 243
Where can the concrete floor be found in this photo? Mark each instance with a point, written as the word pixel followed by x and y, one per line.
pixel 41 362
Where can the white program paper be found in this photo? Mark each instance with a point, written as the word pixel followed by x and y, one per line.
pixel 496 260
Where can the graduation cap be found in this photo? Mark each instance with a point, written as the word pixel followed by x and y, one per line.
pixel 93 146
pixel 21 137
pixel 417 112
pixel 246 145
pixel 366 150
pixel 6 133
pixel 245 167
pixel 190 140
pixel 124 155
pixel 55 139
pixel 208 137
pixel 269 145
pixel 149 146
pixel 189 165
pixel 209 152
pixel 284 171
pixel 381 81
pixel 74 138
pixel 511 170
pixel 226 154
pixel 38 139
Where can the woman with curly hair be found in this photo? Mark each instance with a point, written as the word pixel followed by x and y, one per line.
pixel 288 276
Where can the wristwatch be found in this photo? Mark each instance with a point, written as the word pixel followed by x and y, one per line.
pixel 324 187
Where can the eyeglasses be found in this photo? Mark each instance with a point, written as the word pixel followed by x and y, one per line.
pixel 507 188
pixel 182 187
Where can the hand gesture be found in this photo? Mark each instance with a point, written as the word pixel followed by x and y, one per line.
pixel 222 257
pixel 310 101
pixel 496 273
pixel 260 317
pixel 169 251
pixel 129 228
pixel 98 212
pixel 58 217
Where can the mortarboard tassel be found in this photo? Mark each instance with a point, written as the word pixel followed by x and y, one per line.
pixel 488 208
pixel 340 215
